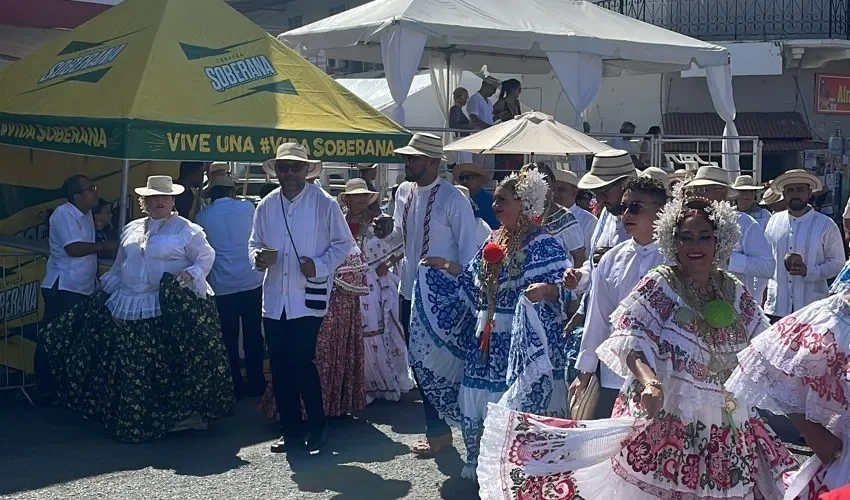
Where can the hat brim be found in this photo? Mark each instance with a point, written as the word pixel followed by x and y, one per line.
pixel 463 168
pixel 591 182
pixel 780 183
pixel 411 151
pixel 707 182
pixel 146 191
pixel 747 188
pixel 372 199
pixel 314 167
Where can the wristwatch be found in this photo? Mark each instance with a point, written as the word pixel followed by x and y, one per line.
pixel 447 265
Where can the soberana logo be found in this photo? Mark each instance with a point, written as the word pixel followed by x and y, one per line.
pixel 231 69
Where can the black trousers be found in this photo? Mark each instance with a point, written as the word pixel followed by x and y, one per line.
pixel 434 425
pixel 605 405
pixel 246 306
pixel 56 302
pixel 292 355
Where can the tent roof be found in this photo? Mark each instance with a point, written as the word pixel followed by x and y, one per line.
pixel 160 79
pixel 507 38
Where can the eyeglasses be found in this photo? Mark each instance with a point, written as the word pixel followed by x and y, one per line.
pixel 91 187
pixel 635 207
pixel 468 177
pixel 292 167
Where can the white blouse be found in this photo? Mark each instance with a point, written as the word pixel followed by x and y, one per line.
pixel 173 245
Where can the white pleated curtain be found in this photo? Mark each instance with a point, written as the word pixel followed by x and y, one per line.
pixel 401 51
pixel 445 78
pixel 719 80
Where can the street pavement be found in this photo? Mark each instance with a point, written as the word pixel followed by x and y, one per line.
pixel 54 453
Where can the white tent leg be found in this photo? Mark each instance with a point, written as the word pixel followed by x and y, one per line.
pixel 124 202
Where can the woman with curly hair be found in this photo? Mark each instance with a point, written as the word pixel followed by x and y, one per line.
pixel 675 432
pixel 145 355
pixel 484 334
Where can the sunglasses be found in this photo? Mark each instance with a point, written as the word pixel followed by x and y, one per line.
pixel 92 187
pixel 293 167
pixel 468 177
pixel 634 208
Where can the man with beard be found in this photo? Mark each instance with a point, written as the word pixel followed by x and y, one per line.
pixel 806 244
pixel 751 261
pixel 435 220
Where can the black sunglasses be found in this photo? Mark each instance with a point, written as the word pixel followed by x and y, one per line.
pixel 468 177
pixel 634 207
pixel 91 187
pixel 293 167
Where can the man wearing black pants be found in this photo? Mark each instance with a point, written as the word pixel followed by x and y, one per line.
pixel 246 306
pixel 299 238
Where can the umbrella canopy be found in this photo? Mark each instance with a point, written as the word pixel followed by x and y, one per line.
pixel 529 133
pixel 508 37
pixel 183 80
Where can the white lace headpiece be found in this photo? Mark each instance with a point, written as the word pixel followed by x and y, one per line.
pixel 721 214
pixel 531 189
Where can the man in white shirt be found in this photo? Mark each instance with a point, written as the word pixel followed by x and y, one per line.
pixel 619 270
pixel 478 107
pixel 72 264
pixel 806 244
pixel 299 238
pixel 566 188
pixel 434 220
pixel 624 142
pixel 752 259
pixel 238 289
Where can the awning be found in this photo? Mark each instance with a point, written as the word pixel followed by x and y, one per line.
pixel 779 131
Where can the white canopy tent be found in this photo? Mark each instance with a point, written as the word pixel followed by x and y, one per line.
pixel 576 39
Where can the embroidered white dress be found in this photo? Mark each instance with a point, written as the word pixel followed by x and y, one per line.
pixel 524 368
pixel 172 245
pixel 690 450
pixel 385 361
pixel 802 365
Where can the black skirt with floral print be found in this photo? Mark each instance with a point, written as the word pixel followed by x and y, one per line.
pixel 141 378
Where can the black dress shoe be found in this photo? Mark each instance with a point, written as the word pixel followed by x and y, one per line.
pixel 316 441
pixel 287 444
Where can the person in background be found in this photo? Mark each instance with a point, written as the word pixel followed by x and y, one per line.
pixel 584 200
pixel 484 229
pixel 645 149
pixel 369 173
pixel 559 221
pixel 480 111
pixel 677 177
pixel 752 260
pixel 145 356
pixel 624 142
pixel 237 286
pixel 267 188
pixel 299 238
pixel 566 189
pixel 773 201
pixel 103 222
pixel 746 191
pixel 474 178
pixel 506 108
pixel 191 177
pixel 806 244
pixel 71 272
pixel 459 120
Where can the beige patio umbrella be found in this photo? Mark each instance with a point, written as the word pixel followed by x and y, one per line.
pixel 531 133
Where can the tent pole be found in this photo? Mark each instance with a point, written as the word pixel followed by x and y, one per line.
pixel 123 204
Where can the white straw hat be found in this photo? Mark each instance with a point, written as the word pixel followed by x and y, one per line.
pixel 160 185
pixel 797 176
pixel 423 145
pixel 770 197
pixel 746 183
pixel 357 186
pixel 608 167
pixel 710 175
pixel 657 174
pixel 565 176
pixel 293 151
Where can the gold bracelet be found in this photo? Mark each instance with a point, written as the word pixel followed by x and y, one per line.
pixel 654 383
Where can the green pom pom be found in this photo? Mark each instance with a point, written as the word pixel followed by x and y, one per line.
pixel 719 314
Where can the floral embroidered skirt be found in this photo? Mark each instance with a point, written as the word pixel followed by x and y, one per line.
pixel 525 456
pixel 141 378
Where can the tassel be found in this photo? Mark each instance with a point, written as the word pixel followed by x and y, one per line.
pixel 484 346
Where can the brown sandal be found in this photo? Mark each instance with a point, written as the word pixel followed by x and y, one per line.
pixel 430 446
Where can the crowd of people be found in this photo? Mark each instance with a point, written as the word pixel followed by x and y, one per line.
pixel 632 352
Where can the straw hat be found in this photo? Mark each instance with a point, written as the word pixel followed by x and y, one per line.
pixel 680 175
pixel 565 176
pixel 218 168
pixel 770 197
pixel 423 145
pixel 710 175
pixel 657 174
pixel 463 168
pixel 218 181
pixel 367 166
pixel 160 185
pixel 357 186
pixel 797 176
pixel 293 151
pixel 746 183
pixel 608 167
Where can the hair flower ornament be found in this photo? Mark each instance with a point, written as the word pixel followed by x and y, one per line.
pixel 531 189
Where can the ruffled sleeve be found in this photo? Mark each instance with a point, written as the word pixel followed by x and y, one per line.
pixel 202 256
pixel 110 280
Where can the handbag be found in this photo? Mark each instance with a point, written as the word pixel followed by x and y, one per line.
pixel 317 290
pixel 583 406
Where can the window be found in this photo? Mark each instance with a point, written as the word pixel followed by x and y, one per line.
pixel 336 10
pixel 295 22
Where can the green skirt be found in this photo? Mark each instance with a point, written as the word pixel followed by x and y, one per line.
pixel 142 377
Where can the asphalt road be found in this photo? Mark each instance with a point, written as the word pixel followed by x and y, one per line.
pixel 53 453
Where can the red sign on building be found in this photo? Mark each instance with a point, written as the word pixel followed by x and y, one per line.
pixel 832 94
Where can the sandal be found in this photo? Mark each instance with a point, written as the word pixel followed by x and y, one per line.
pixel 431 446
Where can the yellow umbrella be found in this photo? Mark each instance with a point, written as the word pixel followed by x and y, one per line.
pixel 183 80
